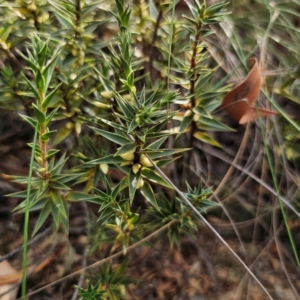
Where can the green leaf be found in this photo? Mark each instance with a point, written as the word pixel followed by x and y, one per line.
pixel 21 194
pixel 38 149
pixel 200 110
pixel 152 176
pixel 45 136
pixel 57 201
pixel 133 125
pixel 121 186
pixel 90 8
pixel 50 96
pixel 141 135
pixel 75 196
pixel 42 217
pixel 28 60
pixel 29 120
pixel 64 178
pixel 153 10
pixel 33 88
pixel 156 145
pixel 62 134
pixel 112 124
pixel 118 139
pixel 164 162
pixel 55 214
pixel 204 137
pixel 214 9
pixel 59 185
pixel 51 115
pixel 63 78
pixel 39 114
pixel 58 167
pixel 147 192
pixel 4 33
pixel 164 152
pixel 48 70
pixel 110 159
pixel 126 148
pixel 40 81
pixel 42 54
pixel 126 108
pixel 133 183
pixel 65 22
pixel 157 135
pixel 51 152
pixel 187 120
pixel 65 223
pixel 212 125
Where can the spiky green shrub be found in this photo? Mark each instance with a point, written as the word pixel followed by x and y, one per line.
pixel 125 89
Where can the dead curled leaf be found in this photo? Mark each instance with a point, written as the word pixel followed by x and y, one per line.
pixel 6 270
pixel 14 276
pixel 238 103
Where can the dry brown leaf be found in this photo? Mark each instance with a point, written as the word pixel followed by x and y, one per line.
pixel 12 277
pixel 238 102
pixel 7 270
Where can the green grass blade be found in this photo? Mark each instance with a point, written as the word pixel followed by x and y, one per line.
pixel 26 221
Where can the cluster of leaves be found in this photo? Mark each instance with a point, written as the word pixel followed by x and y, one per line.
pixel 182 216
pixel 110 284
pixel 48 186
pixel 202 94
pixel 86 75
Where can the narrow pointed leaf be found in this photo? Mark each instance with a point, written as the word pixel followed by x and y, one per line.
pixel 133 183
pixel 29 120
pixel 164 152
pixel 118 139
pixel 206 138
pixel 75 196
pixel 112 124
pixel 187 120
pixel 152 176
pixel 147 192
pixel 42 217
pixel 33 88
pixel 39 114
pixel 126 148
pixel 49 97
pixel 58 202
pixel 110 159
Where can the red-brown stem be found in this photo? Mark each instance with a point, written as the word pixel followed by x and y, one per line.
pixel 43 144
pixel 193 66
pixel 193 81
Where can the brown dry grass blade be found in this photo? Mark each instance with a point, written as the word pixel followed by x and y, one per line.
pixel 238 102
